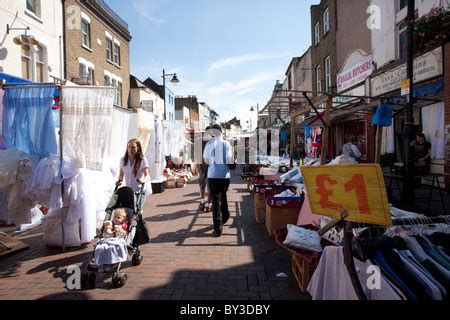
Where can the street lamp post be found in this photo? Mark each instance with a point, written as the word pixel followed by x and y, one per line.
pixel 174 80
pixel 408 197
pixel 257 131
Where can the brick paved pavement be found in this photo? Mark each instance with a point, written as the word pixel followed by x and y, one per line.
pixel 183 260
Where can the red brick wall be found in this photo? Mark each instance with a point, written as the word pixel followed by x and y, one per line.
pixel 447 112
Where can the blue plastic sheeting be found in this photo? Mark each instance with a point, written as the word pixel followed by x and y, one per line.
pixel 383 116
pixel 28 121
pixel 13 79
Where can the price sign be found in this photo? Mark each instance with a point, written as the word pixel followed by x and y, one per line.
pixel 405 87
pixel 359 189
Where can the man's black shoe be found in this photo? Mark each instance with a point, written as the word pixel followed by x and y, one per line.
pixel 218 233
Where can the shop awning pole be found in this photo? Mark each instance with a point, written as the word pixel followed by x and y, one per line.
pixel 314 108
pixel 324 151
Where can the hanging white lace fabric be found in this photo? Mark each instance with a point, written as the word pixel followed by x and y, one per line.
pixel 19 205
pixel 174 138
pixel 14 176
pixel 155 154
pixel 45 185
pixel 83 205
pixel 387 140
pixel 434 129
pixel 86 124
pixel 146 123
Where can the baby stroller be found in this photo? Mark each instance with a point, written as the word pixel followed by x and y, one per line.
pixel 122 198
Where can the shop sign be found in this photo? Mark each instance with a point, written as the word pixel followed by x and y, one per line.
pixel 358 189
pixel 355 74
pixel 426 66
pixel 342 101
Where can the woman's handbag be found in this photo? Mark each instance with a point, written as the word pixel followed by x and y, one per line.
pixel 142 235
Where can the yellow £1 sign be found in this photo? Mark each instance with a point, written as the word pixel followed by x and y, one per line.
pixel 359 189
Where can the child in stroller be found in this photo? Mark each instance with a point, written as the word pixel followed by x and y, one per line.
pixel 114 246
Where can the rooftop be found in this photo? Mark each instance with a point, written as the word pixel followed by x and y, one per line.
pixel 111 12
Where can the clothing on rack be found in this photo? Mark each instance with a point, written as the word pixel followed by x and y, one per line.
pixel 411 262
pixel 331 280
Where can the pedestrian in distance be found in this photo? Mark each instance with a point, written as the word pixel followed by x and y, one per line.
pixel 134 171
pixel 422 154
pixel 203 177
pixel 218 154
pixel 351 149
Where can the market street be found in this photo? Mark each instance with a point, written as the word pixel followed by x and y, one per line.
pixel 183 260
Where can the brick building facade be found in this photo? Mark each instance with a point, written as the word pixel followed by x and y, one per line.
pixel 97 50
pixel 190 102
pixel 323 39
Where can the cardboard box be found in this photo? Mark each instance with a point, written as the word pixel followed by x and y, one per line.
pixel 278 217
pixel 170 183
pixel 181 182
pixel 259 207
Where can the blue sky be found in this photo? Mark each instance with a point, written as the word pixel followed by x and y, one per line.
pixel 229 53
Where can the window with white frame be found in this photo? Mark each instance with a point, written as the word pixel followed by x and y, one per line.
pixel 326 21
pixel 109 48
pixel 317 33
pixel 90 75
pixel 81 70
pixel 34 63
pixel 86 72
pixel 117 54
pixel 107 81
pixel 86 33
pixel 327 73
pixel 34 6
pixel 26 64
pixel 402 40
pixel 40 62
pixel 114 84
pixel 318 80
pixel 402 35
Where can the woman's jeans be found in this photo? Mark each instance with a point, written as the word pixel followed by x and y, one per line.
pixel 140 200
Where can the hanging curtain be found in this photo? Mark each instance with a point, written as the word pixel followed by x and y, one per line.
pixel 434 128
pixel 117 144
pixel 174 137
pixel 86 126
pixel 146 123
pixel 27 120
pixel 155 154
pixel 387 140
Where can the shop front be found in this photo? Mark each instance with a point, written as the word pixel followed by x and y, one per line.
pixel 428 109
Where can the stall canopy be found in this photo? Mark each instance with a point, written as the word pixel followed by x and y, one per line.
pixel 12 79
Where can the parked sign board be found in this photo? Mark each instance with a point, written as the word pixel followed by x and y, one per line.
pixel 359 189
